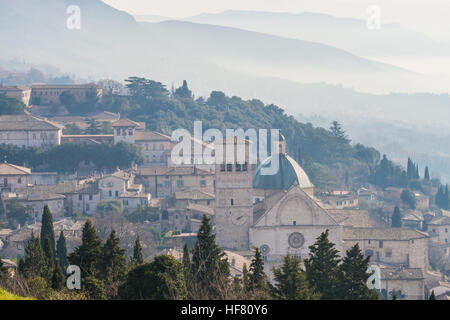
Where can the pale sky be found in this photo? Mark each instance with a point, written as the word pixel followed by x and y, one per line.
pixel 428 16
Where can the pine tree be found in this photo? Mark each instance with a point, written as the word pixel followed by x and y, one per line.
pixel 186 264
pixel 446 199
pixel 87 255
pixel 257 277
pixel 432 296
pixel 322 267
pixel 209 269
pixel 354 276
pixel 61 252
pixel 34 262
pixel 113 264
pixel 57 277
pixel 291 282
pixel 396 220
pixel 138 258
pixel 47 229
pixel 426 175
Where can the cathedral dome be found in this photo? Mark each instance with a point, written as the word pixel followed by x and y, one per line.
pixel 289 172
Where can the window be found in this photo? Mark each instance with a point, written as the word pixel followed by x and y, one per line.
pixel 381 243
pixel 232 202
pixel 446 229
pixel 19 181
pixel 5 181
pixel 125 202
pixel 180 183
pixel 80 197
pixel 294 223
pixel 238 167
pixel 110 193
pixel 88 207
pixel 229 167
pixel 130 132
pixel 222 167
pixel 116 193
pixel 244 167
pixel 90 197
pixel 208 202
pixel 369 241
pixel 202 183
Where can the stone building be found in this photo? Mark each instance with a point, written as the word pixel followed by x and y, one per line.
pixel 21 93
pixel 163 182
pixel 399 246
pixel 49 94
pixel 29 131
pixel 13 177
pixel 408 283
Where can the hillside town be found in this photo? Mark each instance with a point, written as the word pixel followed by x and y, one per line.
pixel 279 214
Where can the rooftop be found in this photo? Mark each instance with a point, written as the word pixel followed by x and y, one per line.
pixel 26 122
pixel 394 234
pixel 193 195
pixel 12 169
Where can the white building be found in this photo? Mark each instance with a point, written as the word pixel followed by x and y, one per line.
pixel 29 131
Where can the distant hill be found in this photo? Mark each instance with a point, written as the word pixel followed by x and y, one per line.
pixel 345 33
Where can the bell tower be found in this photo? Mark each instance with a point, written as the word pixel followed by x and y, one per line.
pixel 234 193
pixel 124 130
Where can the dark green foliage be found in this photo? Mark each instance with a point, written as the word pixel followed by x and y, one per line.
pixel 4 274
pixel 93 288
pixel 386 174
pixel 442 198
pixel 57 277
pixel 162 279
pixel 61 252
pixel 337 131
pixel 34 262
pixel 245 279
pixel 49 258
pixel 394 295
pixel 354 276
pixel 432 296
pixel 88 105
pixel 258 283
pixel 143 214
pixel 47 230
pixel 10 105
pixel 109 207
pixel 183 92
pixel 186 264
pixel 209 269
pixel 396 221
pixel 409 198
pixel 291 282
pixel 113 264
pixel 17 213
pixel 426 175
pixel 137 258
pixel 87 256
pixel 322 267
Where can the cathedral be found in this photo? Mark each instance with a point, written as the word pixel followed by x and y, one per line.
pixel 276 213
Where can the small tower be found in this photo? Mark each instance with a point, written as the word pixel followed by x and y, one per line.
pixel 124 130
pixel 234 195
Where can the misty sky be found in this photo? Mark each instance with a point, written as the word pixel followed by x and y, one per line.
pixel 428 16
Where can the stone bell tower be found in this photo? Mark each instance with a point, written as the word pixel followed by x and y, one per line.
pixel 234 197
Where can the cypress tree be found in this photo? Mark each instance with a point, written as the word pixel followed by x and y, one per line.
pixel 209 269
pixel 61 252
pixel 394 295
pixel 87 255
pixel 396 220
pixel 113 264
pixel 432 296
pixel 257 277
pixel 47 229
pixel 186 264
pixel 48 253
pixel 446 199
pixel 57 277
pixel 426 175
pixel 354 276
pixel 291 282
pixel 34 262
pixel 245 279
pixel 322 267
pixel 138 258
